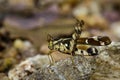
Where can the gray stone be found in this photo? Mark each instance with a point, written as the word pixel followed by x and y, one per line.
pixel 80 69
pixel 108 63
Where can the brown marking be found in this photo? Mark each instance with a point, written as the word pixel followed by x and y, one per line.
pixel 92 41
pixel 105 39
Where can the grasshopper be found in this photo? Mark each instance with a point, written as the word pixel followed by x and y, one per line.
pixel 68 45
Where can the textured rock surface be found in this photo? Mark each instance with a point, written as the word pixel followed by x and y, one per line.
pixel 28 67
pixel 108 63
pixel 62 70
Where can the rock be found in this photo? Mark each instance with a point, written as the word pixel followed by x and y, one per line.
pixel 115 28
pixel 25 48
pixel 22 44
pixel 18 44
pixel 28 67
pixel 64 69
pixel 90 12
pixel 108 63
pixel 44 49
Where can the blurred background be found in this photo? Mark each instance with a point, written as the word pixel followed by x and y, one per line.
pixel 25 24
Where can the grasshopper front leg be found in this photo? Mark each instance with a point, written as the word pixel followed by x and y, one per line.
pixel 51 58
